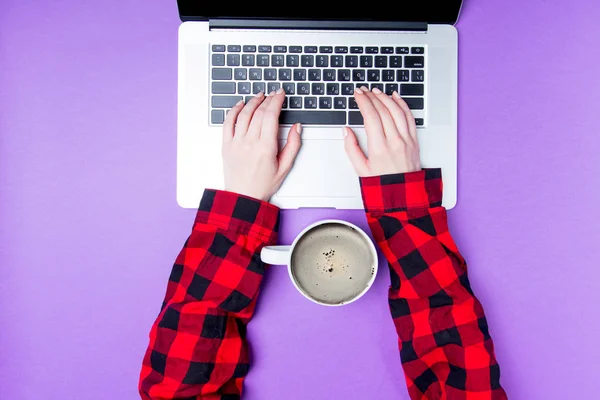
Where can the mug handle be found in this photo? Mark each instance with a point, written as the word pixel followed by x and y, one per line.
pixel 275 255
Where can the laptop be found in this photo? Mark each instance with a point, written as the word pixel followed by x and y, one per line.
pixel 230 51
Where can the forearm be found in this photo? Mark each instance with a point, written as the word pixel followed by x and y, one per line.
pixel 445 346
pixel 198 343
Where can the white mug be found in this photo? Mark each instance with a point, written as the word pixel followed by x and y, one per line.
pixel 337 254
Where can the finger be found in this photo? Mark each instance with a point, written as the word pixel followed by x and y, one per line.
pixel 270 124
pixel 410 119
pixel 397 114
pixel 288 153
pixel 229 124
pixel 257 118
pixel 355 154
pixel 373 125
pixel 389 127
pixel 243 121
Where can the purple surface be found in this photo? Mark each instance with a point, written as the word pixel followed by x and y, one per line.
pixel 89 225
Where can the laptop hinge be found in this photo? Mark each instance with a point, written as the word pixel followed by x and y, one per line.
pixel 223 23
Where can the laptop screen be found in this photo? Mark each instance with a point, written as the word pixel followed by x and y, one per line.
pixel 433 12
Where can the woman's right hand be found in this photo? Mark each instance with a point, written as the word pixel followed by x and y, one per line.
pixel 391 135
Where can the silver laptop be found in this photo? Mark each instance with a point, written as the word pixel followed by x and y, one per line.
pixel 230 51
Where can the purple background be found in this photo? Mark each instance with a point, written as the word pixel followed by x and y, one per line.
pixel 89 225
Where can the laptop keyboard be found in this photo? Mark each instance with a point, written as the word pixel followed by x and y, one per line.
pixel 319 80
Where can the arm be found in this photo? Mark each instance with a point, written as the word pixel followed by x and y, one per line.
pixel 198 347
pixel 445 346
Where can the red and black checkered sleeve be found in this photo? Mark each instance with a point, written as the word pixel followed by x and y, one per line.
pixel 445 347
pixel 198 347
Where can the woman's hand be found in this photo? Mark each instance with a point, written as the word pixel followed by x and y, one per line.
pixel 251 163
pixel 391 135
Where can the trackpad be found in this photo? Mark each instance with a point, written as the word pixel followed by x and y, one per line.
pixel 322 169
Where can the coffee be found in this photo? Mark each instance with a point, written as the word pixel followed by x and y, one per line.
pixel 332 263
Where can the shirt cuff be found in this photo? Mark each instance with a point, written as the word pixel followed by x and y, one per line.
pixel 239 213
pixel 400 192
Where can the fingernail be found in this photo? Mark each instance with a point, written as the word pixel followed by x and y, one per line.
pixel 344 131
pixel 357 90
pixel 260 94
pixel 299 128
pixel 364 88
pixel 272 93
pixel 239 103
pixel 376 90
pixel 279 91
pixel 396 95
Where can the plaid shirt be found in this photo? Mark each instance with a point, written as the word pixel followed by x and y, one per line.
pixel 198 347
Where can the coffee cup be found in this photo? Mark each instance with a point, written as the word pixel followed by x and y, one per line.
pixel 331 262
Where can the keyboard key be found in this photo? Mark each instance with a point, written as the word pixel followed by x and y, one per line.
pixel 388 75
pixel 329 75
pixel 347 89
pixel 351 61
pixel 277 60
pixel 339 103
pixel 337 61
pixel 417 50
pixel 314 74
pixel 356 50
pixel 395 61
pixel 240 74
pixel 280 49
pixel 415 103
pixel 414 62
pixel 307 61
pixel 303 88
pixel 258 87
pixel 234 48
pixel 285 74
pixel 325 103
pixel 341 49
pixel 381 61
pixel 313 117
pixel 270 74
pixel 292 61
pixel 377 85
pixel 223 74
pixel 273 87
pixel 248 60
pixel 402 75
pixel 217 116
pixel 387 50
pixel 372 50
pixel 419 121
pixel 255 74
pixel 333 89
pixel 218 60
pixel 233 60
pixel 262 60
pixel 289 88
pixel 310 49
pixel 401 50
pixel 284 105
pixel 247 99
pixel 295 49
pixel 318 88
pixel 223 88
pixel 310 102
pixel 415 89
pixel 322 61
pixel 244 87
pixel 249 49
pixel 352 103
pixel 325 49
pixel 355 118
pixel 418 75
pixel 218 48
pixel 390 88
pixel 264 49
pixel 358 75
pixel 366 61
pixel 373 75
pixel 295 102
pixel 299 74
pixel 344 75
pixel 225 101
